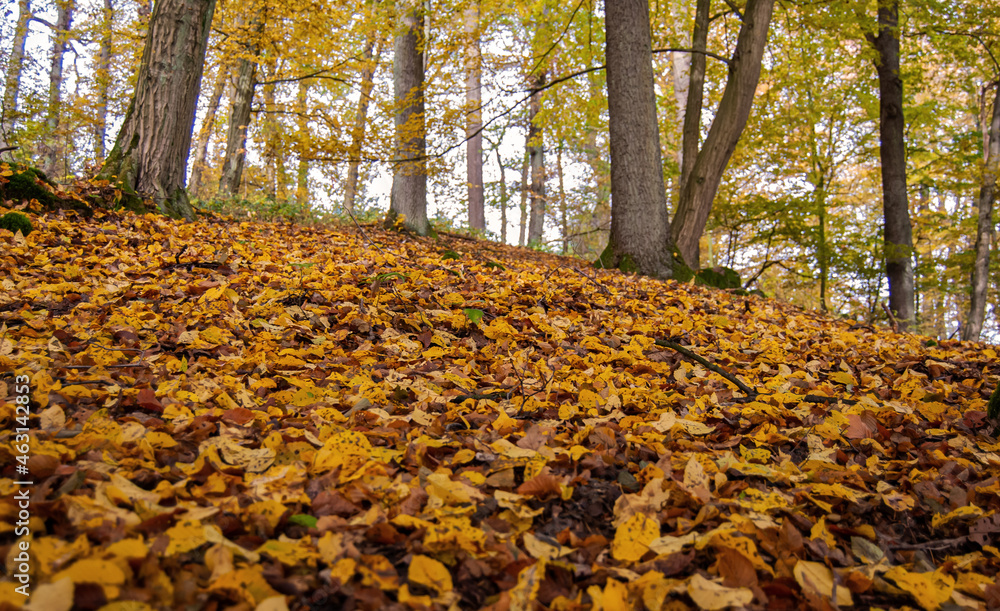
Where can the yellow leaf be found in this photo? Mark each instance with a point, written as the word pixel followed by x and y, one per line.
pixel 55 596
pixel 430 573
pixel 817 578
pixel 930 590
pixel 633 537
pixel 710 595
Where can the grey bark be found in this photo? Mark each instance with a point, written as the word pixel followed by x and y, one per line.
pixel 640 238
pixel 523 222
pixel 239 119
pixel 12 82
pixel 691 133
pixel 151 151
pixel 734 109
pixel 103 78
pixel 984 229
pixel 205 133
pixel 898 237
pixel 372 53
pixel 503 197
pixel 474 119
pixel 302 146
pixel 52 152
pixel 409 179
pixel 536 161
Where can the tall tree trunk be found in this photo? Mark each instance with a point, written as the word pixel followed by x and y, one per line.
pixel 151 151
pixel 474 119
pixel 563 213
pixel 691 134
pixel 730 119
pixel 205 133
pixel 303 146
pixel 984 229
pixel 53 152
pixel 536 159
pixel 503 197
pixel 523 223
pixel 239 120
pixel 409 178
pixel 372 53
pixel 892 149
pixel 640 240
pixel 103 78
pixel 12 82
pixel 274 163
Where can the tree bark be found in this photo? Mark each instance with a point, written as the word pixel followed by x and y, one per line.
pixel 898 237
pixel 503 196
pixel 52 152
pixel 523 223
pixel 302 145
pixel 239 118
pixel 737 99
pixel 151 151
pixel 640 240
pixel 12 82
pixel 103 77
pixel 372 53
pixel 205 133
pixel 474 119
pixel 984 229
pixel 409 179
pixel 691 133
pixel 563 212
pixel 536 161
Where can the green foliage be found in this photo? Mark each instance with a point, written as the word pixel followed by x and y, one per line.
pixel 259 208
pixel 14 222
pixel 450 255
pixel 474 315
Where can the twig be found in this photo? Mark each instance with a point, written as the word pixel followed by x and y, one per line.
pixel 603 288
pixel 892 319
pixel 940 544
pixel 694 357
pixel 4 149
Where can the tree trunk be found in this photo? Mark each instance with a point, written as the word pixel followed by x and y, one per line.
pixel 892 149
pixel 563 213
pixel 372 53
pixel 984 232
pixel 103 77
pixel 474 119
pixel 205 133
pixel 691 134
pixel 640 240
pixel 503 197
pixel 536 159
pixel 239 119
pixel 53 153
pixel 151 151
pixel 409 178
pixel 15 66
pixel 302 145
pixel 730 119
pixel 523 224
pixel 274 163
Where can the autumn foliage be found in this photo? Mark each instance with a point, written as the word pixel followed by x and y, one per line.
pixel 257 416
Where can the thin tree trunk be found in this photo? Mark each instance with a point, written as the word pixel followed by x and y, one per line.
pixel 302 146
pixel 639 240
pixel 15 66
pixel 536 157
pixel 151 151
pixel 205 133
pixel 103 77
pixel 274 164
pixel 239 120
pixel 691 134
pixel 892 149
pixel 372 53
pixel 563 214
pixel 53 152
pixel 474 119
pixel 984 230
pixel 523 225
pixel 503 197
pixel 409 178
pixel 730 119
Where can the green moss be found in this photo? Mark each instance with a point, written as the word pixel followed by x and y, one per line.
pixel 15 221
pixel 719 277
pixel 26 184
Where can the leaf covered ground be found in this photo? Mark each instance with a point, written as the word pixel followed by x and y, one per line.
pixel 259 416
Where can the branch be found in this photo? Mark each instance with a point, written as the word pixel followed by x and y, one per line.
pixel 749 392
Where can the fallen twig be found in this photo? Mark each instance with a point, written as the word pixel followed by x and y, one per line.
pixel 712 366
pixel 892 319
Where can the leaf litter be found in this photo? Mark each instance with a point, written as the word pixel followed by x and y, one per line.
pixel 237 415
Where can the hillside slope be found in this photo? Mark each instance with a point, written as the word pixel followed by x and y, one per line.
pixel 254 416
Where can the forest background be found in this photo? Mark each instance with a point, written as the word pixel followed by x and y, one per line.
pixel 296 109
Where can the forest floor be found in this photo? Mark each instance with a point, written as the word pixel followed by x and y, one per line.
pixel 239 415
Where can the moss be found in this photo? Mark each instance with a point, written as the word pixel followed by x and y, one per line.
pixel 15 221
pixel 26 184
pixel 720 278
